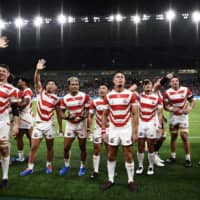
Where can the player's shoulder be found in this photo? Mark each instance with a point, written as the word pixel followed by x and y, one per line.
pixel 28 90
pixel 9 86
pixel 183 88
pixel 97 100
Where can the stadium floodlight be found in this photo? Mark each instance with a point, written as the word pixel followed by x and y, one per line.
pixel 96 19
pixel 170 15
pixel 62 19
pixel 185 15
pixel 111 18
pixel 2 24
pixel 70 19
pixel 136 19
pixel 85 19
pixel 160 17
pixel 196 16
pixel 38 21
pixel 19 22
pixel 146 17
pixel 118 17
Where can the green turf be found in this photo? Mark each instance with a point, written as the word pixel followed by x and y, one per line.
pixel 171 182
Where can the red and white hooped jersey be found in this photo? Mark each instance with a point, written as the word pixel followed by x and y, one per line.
pixel 148 105
pixel 178 98
pixel 8 94
pixel 119 106
pixel 46 103
pixel 96 107
pixel 75 104
pixel 27 94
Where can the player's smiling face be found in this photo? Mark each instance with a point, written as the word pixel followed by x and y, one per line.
pixel 51 87
pixel 174 82
pixel 4 74
pixel 103 90
pixel 74 86
pixel 119 80
pixel 148 87
pixel 20 84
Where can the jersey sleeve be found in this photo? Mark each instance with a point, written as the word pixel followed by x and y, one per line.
pixel 165 97
pixel 189 94
pixel 92 107
pixel 15 95
pixel 105 103
pixel 160 103
pixel 62 103
pixel 134 98
pixel 87 101
pixel 28 94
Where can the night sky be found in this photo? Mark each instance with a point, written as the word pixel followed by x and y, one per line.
pixel 104 44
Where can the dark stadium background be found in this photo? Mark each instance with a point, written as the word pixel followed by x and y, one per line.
pixel 104 45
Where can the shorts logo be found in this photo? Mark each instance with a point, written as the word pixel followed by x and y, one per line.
pixel 112 140
pixel 50 136
pixel 128 141
pixel 35 135
pixel 96 140
pixel 140 134
pixel 68 134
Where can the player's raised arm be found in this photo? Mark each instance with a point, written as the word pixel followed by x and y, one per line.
pixel 37 81
pixel 162 81
pixel 3 42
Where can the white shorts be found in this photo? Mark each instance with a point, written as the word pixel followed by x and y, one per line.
pixel 147 129
pixel 179 121
pixel 72 130
pixel 43 129
pixel 26 121
pixel 4 132
pixel 120 135
pixel 97 135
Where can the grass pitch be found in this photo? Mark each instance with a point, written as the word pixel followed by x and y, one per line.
pixel 171 182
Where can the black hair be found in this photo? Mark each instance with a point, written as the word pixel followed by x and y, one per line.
pixel 50 80
pixel 24 80
pixel 5 66
pixel 118 72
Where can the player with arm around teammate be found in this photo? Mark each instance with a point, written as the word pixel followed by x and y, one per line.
pixel 96 109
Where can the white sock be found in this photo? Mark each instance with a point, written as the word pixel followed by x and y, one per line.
pixel 67 160
pixel 173 155
pixel 187 157
pixel 130 171
pixel 151 158
pixel 96 160
pixel 5 166
pixel 21 155
pixel 111 170
pixel 140 157
pixel 48 164
pixel 30 166
pixel 82 164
